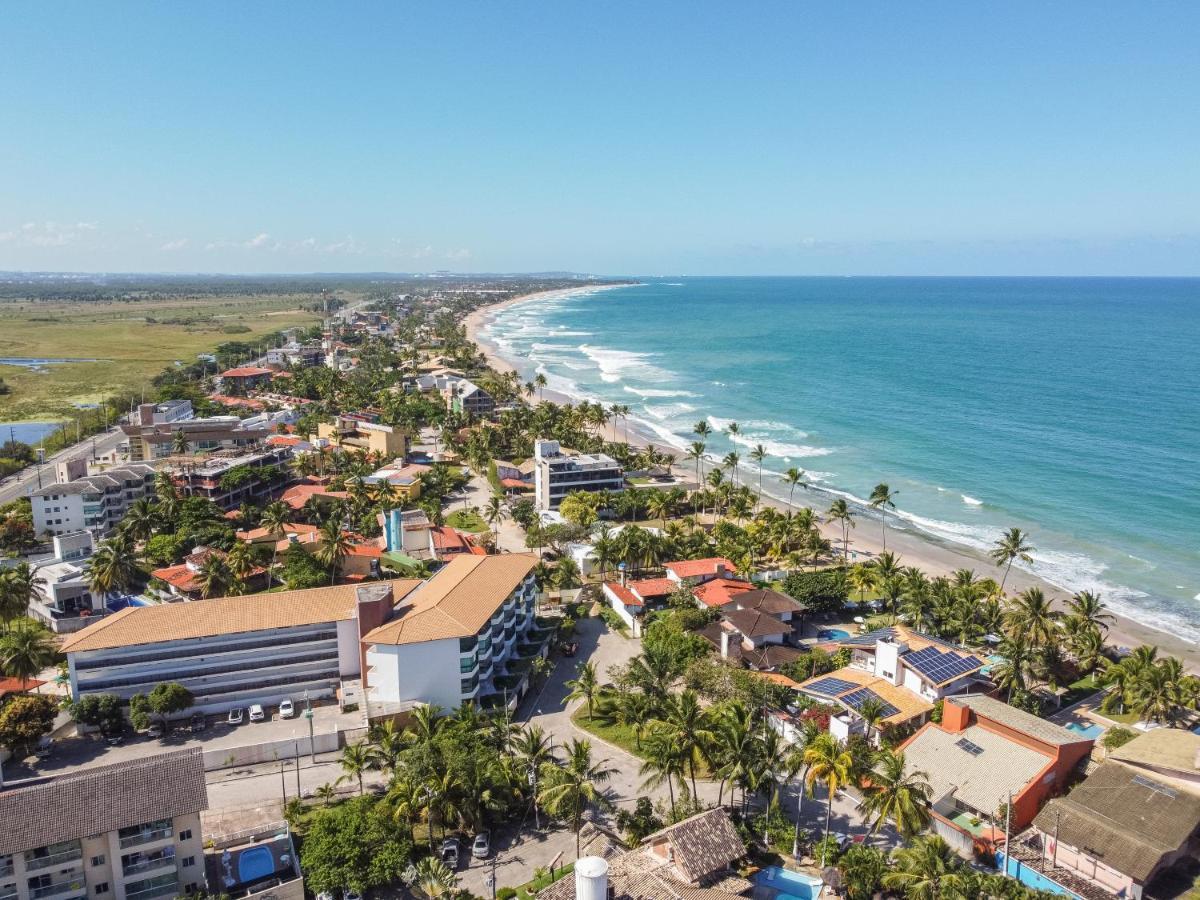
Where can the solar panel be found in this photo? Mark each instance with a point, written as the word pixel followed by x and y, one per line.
pixel 941 665
pixel 830 687
pixel 970 746
pixel 856 700
pixel 1155 786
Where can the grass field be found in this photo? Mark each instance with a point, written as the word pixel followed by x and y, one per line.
pixel 131 341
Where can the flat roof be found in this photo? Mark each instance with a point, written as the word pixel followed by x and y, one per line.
pixel 136 625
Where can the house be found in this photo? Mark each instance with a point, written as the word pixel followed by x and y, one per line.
pixel 405 479
pixel 698 571
pixel 362 431
pixel 690 860
pixel 242 379
pixel 312 489
pixel 716 592
pixel 66 603
pixel 360 562
pixel 986 756
pixel 123 831
pixel 757 628
pixel 452 639
pixel 558 473
pixel 906 669
pixel 1129 822
pixel 233 651
pixel 185 581
pixel 469 398
pixel 449 542
pixel 632 599
pixel 96 503
pixel 150 437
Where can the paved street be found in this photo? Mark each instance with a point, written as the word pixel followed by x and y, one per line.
pixel 27 479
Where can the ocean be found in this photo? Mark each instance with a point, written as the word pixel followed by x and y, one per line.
pixel 1068 407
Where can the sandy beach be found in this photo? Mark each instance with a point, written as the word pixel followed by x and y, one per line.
pixel 866 539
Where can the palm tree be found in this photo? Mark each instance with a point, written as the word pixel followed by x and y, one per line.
pixel 240 561
pixel 832 765
pixel 862 578
pixel 569 789
pixel 435 878
pixel 730 462
pixel 662 764
pixel 540 381
pixel 18 586
pixel 111 568
pixel 1032 615
pixel 25 651
pixel 584 686
pixel 839 511
pixel 892 793
pixel 215 577
pixel 689 729
pixel 1013 546
pixel 759 454
pixel 927 869
pixel 566 573
pixel 333 546
pixel 141 519
pixel 179 442
pixel 356 759
pixel 532 747
pixel 275 516
pixel 494 513
pixel 702 429
pixel 1086 610
pixel 872 712
pixel 883 498
pixel 696 452
pixel 794 478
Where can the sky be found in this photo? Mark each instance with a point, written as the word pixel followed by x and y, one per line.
pixel 607 138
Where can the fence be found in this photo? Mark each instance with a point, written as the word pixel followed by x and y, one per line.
pixel 269 751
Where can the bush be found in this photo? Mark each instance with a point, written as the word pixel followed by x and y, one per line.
pixel 1118 737
pixel 506 893
pixel 822 592
pixel 101 711
pixel 613 621
pixel 354 845
pixel 24 720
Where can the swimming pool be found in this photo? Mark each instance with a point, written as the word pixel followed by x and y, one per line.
pixel 1092 731
pixel 833 634
pixel 790 885
pixel 255 863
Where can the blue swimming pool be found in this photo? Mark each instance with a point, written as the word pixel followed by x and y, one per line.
pixel 790 885
pixel 255 863
pixel 833 634
pixel 1092 731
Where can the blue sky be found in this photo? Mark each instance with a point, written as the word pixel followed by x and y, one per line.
pixel 723 138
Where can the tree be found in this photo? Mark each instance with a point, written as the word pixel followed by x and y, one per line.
pixel 794 478
pixel 566 573
pixel 24 721
pixel 663 763
pixel 435 879
pixel 862 871
pixel 759 456
pixel 839 512
pixel 568 790
pixel 584 686
pixel 25 651
pixel 333 546
pixel 1032 615
pixel 896 794
pixel 301 570
pixel 354 845
pixel 829 763
pixel 883 498
pixel 927 869
pixel 111 569
pixel 688 729
pixel 240 563
pixel 215 577
pixel 356 759
pixel 101 711
pixel 166 699
pixel 1086 610
pixel 274 517
pixel 1012 546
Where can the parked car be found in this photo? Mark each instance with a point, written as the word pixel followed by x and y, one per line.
pixel 155 730
pixel 236 716
pixel 44 748
pixel 481 846
pixel 450 852
pixel 199 722
pixel 325 895
pixel 350 894
pixel 287 709
pixel 257 714
pixel 114 740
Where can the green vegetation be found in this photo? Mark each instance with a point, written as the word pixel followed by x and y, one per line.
pixel 467 520
pixel 24 721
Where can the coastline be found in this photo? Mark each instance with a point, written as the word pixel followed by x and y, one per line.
pixel 866 540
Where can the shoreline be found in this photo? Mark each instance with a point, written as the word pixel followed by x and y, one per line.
pixel 914 548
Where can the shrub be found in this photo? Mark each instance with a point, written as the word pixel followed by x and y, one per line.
pixel 821 592
pixel 1118 737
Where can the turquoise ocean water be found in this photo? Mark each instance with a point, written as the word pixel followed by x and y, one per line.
pixel 1067 407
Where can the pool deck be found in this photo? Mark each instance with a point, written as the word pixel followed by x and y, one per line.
pixel 223 864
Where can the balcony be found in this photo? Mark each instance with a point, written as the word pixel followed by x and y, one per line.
pixel 146 837
pixel 163 859
pixel 163 886
pixel 58 888
pixel 55 860
pixel 467 665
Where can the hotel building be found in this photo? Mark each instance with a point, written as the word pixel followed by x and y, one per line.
pixel 558 474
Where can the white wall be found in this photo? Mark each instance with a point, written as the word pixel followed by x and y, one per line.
pixel 349 660
pixel 426 672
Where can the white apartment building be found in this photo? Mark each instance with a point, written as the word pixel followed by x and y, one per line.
pixel 452 638
pixel 234 651
pixel 558 474
pixel 96 503
pixel 129 831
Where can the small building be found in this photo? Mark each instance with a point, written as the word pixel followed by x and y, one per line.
pixel 470 399
pixel 152 437
pixel 755 637
pixel 363 432
pixel 243 379
pixel 66 603
pixel 185 581
pixel 315 490
pixel 694 572
pixel 558 473
pixel 717 592
pixel 991 766
pixel 631 600
pixel 233 477
pixel 404 479
pixel 1128 823
pixel 129 831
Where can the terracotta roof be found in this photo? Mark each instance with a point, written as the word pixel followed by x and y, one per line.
pixel 624 594
pixel 720 591
pixel 236 401
pixel 777 678
pixel 16 686
pixel 285 440
pixel 516 484
pixel 245 372
pixel 693 568
pixel 703 844
pixel 1019 720
pixel 298 494
pixel 909 704
pixel 457 601
pixel 449 540
pixel 1123 818
pixel 224 615
pixel 649 588
pixel 102 799
pixel 261 534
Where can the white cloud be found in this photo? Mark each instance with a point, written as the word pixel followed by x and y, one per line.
pixel 86 226
pixel 423 252
pixel 461 253
pixel 49 234
pixel 259 240
pixel 175 245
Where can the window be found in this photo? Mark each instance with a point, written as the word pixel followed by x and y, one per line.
pixel 186 834
pixel 102 887
pixel 189 861
pixel 98 860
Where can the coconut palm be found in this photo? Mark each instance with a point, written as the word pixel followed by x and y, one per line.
pixel 896 794
pixel 435 878
pixel 883 498
pixel 141 519
pixel 1032 615
pixel 111 569
pixel 730 461
pixel 689 729
pixel 241 564
pixel 275 516
pixel 927 869
pixel 355 760
pixel 702 429
pixel 179 442
pixel 584 686
pixel 863 578
pixel 794 478
pixel 872 712
pixel 695 452
pixel 662 764
pixel 333 546
pixel 839 511
pixel 215 577
pixel 1086 610
pixel 1012 546
pixel 831 764
pixel 569 789
pixel 25 651
pixel 758 455
pixel 18 587
pixel 494 513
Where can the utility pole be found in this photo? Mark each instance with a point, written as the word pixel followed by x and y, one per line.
pixel 1054 857
pixel 308 714
pixel 283 781
pixel 1007 826
pixel 296 756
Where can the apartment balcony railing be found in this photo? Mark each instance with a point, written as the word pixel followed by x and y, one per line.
pixel 146 837
pixel 56 860
pixel 73 885
pixel 149 865
pixel 6 869
pixel 467 665
pixel 166 886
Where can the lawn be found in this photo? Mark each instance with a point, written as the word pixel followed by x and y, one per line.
pixel 466 520
pixel 131 342
pixel 621 735
pixel 530 890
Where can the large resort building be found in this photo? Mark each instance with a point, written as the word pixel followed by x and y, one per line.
pixel 558 473
pixel 129 831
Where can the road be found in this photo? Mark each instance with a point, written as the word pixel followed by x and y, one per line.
pixel 25 481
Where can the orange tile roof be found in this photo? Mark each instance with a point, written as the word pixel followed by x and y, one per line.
pixel 449 540
pixel 776 677
pixel 624 594
pixel 224 615
pixel 457 601
pixel 909 704
pixel 258 534
pixel 245 372
pixel 298 494
pixel 647 588
pixel 236 401
pixel 720 591
pixel 16 686
pixel 691 568
pixel 285 440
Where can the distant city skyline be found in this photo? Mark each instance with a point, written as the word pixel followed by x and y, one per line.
pixel 698 139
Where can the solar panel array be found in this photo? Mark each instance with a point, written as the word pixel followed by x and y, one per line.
pixel 940 666
pixel 970 746
pixel 830 687
pixel 868 639
pixel 1155 786
pixel 856 700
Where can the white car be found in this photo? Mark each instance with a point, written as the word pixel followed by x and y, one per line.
pixel 236 716
pixel 287 709
pixel 256 712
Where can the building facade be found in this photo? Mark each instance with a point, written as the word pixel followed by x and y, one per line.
pixel 123 832
pixel 230 478
pixel 96 503
pixel 558 474
pixel 361 431
pixel 151 437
